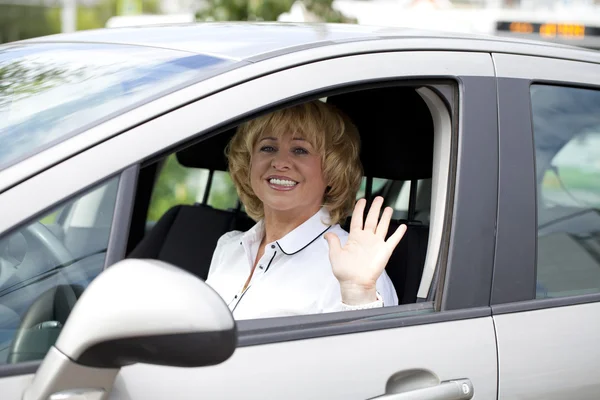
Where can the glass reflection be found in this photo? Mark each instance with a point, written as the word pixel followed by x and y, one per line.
pixel 50 92
pixel 566 124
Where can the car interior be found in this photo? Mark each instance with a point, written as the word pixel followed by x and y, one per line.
pixel 404 156
pixel 396 129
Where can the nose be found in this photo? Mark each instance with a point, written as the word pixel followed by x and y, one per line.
pixel 281 161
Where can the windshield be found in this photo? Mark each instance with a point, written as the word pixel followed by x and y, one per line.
pixel 49 92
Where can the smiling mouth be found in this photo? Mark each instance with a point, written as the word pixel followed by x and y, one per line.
pixel 282 183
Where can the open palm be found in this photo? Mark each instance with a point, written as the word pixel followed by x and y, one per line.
pixel 359 263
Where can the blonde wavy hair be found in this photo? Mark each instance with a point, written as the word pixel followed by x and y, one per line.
pixel 330 132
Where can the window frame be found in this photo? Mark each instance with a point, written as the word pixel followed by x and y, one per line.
pixel 436 93
pixel 295 327
pixel 256 332
pixel 466 280
pixel 515 266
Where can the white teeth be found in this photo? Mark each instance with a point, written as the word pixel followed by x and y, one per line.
pixel 282 182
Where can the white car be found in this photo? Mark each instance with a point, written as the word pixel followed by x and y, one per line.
pixel 114 190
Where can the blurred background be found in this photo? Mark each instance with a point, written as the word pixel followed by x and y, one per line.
pixel 566 21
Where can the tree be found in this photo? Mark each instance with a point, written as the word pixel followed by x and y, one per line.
pixel 96 16
pixel 267 10
pixel 172 188
pixel 324 9
pixel 18 22
pixel 19 79
pixel 177 184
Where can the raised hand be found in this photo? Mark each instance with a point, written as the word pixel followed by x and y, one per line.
pixel 359 264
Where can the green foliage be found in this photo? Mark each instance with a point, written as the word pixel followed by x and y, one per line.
pixel 244 10
pixel 23 22
pixel 222 192
pixel 171 189
pixel 18 79
pixel 19 22
pixel 179 185
pixel 266 10
pixel 325 11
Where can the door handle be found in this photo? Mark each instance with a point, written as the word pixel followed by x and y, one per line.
pixel 460 389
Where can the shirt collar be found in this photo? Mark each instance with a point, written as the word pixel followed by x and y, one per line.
pixel 309 231
pixel 306 233
pixel 256 233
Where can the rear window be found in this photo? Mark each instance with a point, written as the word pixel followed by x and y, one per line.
pixel 50 92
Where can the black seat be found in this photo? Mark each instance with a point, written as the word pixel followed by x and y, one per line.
pixel 186 235
pixel 396 131
pixel 405 266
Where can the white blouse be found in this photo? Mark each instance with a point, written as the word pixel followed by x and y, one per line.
pixel 293 277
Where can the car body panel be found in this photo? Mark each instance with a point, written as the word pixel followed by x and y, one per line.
pixel 549 354
pixel 14 386
pixel 541 69
pixel 355 366
pixel 547 348
pixel 295 370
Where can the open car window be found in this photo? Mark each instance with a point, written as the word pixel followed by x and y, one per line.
pixel 193 201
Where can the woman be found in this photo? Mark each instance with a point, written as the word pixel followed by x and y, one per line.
pixel 297 172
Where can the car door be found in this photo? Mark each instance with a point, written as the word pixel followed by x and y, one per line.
pixel 444 345
pixel 546 295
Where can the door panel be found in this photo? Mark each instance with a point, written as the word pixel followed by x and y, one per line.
pixel 546 260
pixel 354 366
pixel 550 354
pixel 349 366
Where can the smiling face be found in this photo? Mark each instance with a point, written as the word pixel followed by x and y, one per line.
pixel 287 176
pixel 273 169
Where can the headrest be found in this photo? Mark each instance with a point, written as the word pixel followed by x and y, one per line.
pixel 208 154
pixel 394 123
pixel 396 130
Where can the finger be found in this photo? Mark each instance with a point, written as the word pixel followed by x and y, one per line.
pixel 384 223
pixel 357 215
pixel 334 243
pixel 373 215
pixel 397 236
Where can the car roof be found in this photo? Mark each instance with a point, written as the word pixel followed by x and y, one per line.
pixel 259 40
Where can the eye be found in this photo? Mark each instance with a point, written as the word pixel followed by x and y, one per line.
pixel 267 149
pixel 300 151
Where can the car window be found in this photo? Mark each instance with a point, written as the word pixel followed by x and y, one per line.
pixel 50 91
pixel 180 185
pixel 397 195
pixel 186 201
pixel 566 124
pixel 45 266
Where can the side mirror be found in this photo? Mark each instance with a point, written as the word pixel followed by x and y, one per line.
pixel 136 311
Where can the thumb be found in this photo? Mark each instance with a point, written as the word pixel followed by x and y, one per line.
pixel 334 242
